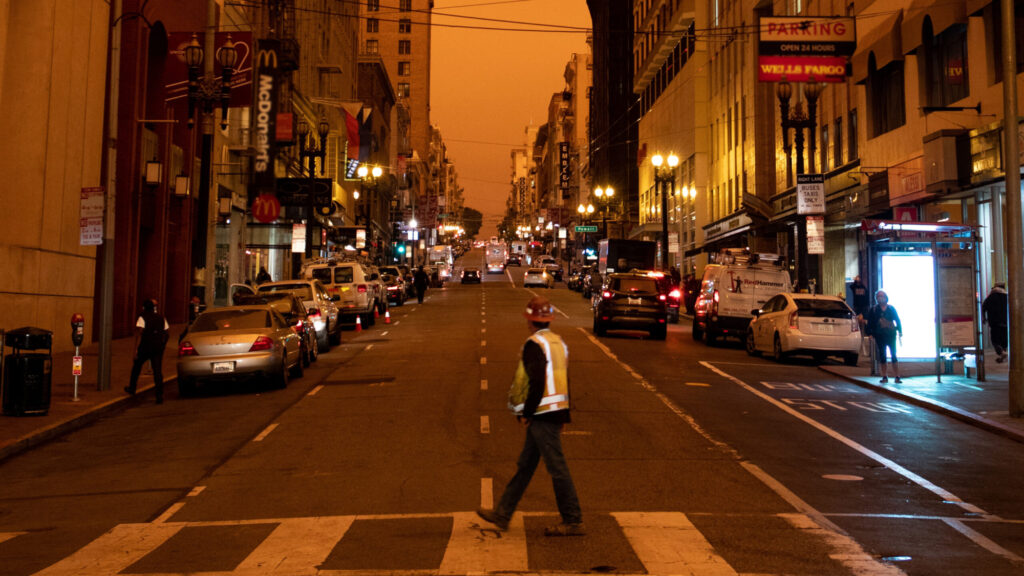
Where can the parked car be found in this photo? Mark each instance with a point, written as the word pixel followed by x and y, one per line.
pixel 405 273
pixel 813 324
pixel 395 287
pixel 550 264
pixel 728 292
pixel 351 287
pixel 538 277
pixel 380 290
pixel 631 301
pixel 470 275
pixel 673 295
pixel 295 313
pixel 318 304
pixel 239 343
pixel 513 260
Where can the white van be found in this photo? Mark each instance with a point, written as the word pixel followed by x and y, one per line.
pixel 353 289
pixel 729 292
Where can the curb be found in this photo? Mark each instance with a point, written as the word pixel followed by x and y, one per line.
pixel 936 406
pixel 73 423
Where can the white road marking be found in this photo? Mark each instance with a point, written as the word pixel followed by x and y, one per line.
pixel 699 384
pixel 368 346
pixel 483 343
pixel 668 543
pixel 890 464
pixel 315 390
pixel 483 360
pixel 483 384
pixel 983 541
pixel 483 330
pixel 483 321
pixel 846 550
pixel 196 491
pixel 395 323
pixel 487 493
pixel 384 333
pixel 5 536
pixel 476 548
pixel 171 511
pixel 485 425
pixel 296 545
pixel 266 432
pixel 116 550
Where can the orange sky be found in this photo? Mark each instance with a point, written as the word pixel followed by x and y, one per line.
pixel 487 86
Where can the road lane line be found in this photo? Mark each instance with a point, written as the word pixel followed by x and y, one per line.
pixel 368 346
pixel 483 330
pixel 485 425
pixel 315 390
pixel 483 320
pixel 890 464
pixel 983 541
pixel 487 493
pixel 476 548
pixel 296 546
pixel 115 551
pixel 483 360
pixel 171 511
pixel 668 543
pixel 266 432
pixel 5 536
pixel 384 333
pixel 483 384
pixel 559 310
pixel 196 491
pixel 846 550
pixel 395 323
pixel 483 343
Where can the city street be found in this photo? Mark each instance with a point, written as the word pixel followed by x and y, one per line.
pixel 687 460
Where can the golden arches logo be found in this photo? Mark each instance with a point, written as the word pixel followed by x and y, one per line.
pixel 266 208
pixel 266 59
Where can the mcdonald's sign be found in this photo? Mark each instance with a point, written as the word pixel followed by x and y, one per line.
pixel 266 208
pixel 265 109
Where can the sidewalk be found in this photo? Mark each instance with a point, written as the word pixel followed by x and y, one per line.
pixel 19 433
pixel 982 404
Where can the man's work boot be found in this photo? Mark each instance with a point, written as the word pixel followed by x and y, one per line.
pixel 492 517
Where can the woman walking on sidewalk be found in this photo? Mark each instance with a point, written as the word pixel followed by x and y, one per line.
pixel 883 324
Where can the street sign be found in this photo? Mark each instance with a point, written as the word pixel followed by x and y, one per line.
pixel 266 208
pixel 815 234
pixel 91 216
pixel 295 191
pixel 586 228
pixel 810 194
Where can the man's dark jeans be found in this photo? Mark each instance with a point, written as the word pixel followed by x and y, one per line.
pixel 155 357
pixel 543 440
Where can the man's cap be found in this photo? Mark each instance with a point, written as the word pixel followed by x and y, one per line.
pixel 539 309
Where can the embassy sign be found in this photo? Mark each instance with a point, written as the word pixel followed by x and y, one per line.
pixel 798 49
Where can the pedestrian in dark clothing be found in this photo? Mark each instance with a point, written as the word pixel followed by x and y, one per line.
pixel 151 333
pixel 540 399
pixel 859 297
pixel 996 313
pixel 676 278
pixel 692 287
pixel 263 277
pixel 420 280
pixel 883 324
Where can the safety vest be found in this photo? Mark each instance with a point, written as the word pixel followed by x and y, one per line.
pixel 556 381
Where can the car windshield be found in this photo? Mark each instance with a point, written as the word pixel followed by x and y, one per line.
pixel 231 320
pixel 634 285
pixel 303 291
pixel 823 308
pixel 344 275
pixel 390 270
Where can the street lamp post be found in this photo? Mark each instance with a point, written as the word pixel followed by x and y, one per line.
pixel 799 122
pixel 368 180
pixel 665 178
pixel 604 197
pixel 311 148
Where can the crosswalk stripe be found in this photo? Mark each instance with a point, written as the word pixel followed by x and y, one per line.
pixel 668 543
pixel 296 545
pixel 473 549
pixel 116 550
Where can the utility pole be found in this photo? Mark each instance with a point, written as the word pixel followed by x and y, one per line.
pixel 106 319
pixel 1013 241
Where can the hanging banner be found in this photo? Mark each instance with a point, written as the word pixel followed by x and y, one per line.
pixel 810 194
pixel 815 234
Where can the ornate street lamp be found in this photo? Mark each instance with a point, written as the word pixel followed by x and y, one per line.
pixel 664 178
pixel 310 148
pixel 604 198
pixel 205 92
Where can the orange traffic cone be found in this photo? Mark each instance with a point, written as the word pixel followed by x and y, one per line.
pixel 376 312
pixel 359 323
pixel 387 317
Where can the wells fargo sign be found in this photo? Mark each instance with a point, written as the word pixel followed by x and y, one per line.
pixel 801 49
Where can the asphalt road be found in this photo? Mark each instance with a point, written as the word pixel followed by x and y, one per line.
pixel 687 460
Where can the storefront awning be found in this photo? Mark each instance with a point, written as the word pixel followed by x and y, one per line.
pixel 883 40
pixel 942 15
pixel 735 238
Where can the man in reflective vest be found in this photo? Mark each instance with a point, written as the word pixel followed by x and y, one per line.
pixel 540 399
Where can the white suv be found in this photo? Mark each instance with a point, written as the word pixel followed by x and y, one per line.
pixel 350 286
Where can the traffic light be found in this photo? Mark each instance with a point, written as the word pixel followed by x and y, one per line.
pixel 400 249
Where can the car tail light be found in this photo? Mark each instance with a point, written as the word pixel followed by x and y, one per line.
pixel 314 314
pixel 606 294
pixel 186 349
pixel 794 317
pixel 714 306
pixel 262 343
pixel 662 297
pixel 361 288
pixel 675 294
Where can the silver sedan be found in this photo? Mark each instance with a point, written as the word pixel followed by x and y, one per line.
pixel 239 342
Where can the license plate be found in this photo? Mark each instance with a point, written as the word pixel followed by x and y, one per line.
pixel 223 367
pixel 635 301
pixel 824 328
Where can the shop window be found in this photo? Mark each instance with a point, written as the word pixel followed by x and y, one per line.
pixel 945 64
pixel 886 97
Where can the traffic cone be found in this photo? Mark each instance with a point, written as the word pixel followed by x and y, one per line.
pixel 387 317
pixel 376 312
pixel 359 323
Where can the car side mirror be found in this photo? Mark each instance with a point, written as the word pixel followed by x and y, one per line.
pixel 756 312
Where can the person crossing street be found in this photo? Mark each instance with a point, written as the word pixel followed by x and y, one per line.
pixel 540 399
pixel 151 332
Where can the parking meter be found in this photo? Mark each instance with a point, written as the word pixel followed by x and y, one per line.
pixel 77 329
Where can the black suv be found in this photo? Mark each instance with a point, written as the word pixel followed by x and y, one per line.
pixel 633 302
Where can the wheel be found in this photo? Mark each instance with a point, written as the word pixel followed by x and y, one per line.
pixel 777 354
pixel 850 359
pixel 186 387
pixel 751 345
pixel 599 328
pixel 334 338
pixel 298 370
pixel 323 343
pixel 280 380
pixel 305 354
pixel 697 332
pixel 710 338
pixel 314 351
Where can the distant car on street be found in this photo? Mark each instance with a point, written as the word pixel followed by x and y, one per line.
pixel 514 260
pixel 631 301
pixel 395 288
pixel 538 277
pixel 239 343
pixel 813 324
pixel 471 276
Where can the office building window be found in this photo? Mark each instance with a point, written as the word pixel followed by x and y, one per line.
pixel 404 68
pixel 837 142
pixel 945 65
pixel 405 46
pixel 372 25
pixel 405 26
pixel 887 98
pixel 373 5
pixel 403 89
pixel 405 6
pixel 372 47
pixel 851 138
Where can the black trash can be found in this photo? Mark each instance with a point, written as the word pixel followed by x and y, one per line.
pixel 27 372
